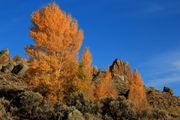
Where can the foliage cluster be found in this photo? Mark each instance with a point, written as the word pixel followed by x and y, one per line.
pixel 55 70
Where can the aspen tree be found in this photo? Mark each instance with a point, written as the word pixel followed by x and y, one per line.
pixel 53 56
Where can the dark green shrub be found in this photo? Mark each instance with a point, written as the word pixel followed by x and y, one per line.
pixel 31 106
pixel 159 114
pixel 80 102
pixel 4 115
pixel 116 108
pixel 61 111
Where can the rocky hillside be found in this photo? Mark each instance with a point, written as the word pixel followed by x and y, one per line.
pixel 19 102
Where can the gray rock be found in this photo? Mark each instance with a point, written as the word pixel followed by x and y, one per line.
pixel 121 74
pixel 75 115
pixel 20 69
pixel 8 68
pixel 121 84
pixel 168 90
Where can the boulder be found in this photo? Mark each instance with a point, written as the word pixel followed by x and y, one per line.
pixel 8 68
pixel 168 90
pixel 20 69
pixel 75 115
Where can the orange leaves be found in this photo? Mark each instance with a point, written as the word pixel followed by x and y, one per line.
pixel 54 31
pixel 86 63
pixel 83 81
pixel 105 87
pixel 86 58
pixel 54 67
pixel 53 57
pixel 137 94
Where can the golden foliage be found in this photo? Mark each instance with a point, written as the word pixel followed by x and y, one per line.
pixel 86 61
pixel 84 79
pixel 53 62
pixel 105 87
pixel 137 93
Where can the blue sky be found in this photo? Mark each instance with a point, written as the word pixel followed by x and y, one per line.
pixel 145 33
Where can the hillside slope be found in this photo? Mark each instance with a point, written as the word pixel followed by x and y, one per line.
pixel 19 102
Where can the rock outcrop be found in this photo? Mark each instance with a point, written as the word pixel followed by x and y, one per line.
pixel 121 74
pixel 16 65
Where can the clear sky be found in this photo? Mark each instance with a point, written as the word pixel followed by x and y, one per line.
pixel 145 33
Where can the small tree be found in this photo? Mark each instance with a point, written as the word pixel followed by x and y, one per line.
pixel 137 93
pixel 84 82
pixel 53 57
pixel 85 64
pixel 105 87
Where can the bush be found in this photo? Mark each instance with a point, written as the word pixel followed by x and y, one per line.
pixel 61 111
pixel 152 114
pixel 4 115
pixel 159 114
pixel 31 106
pixel 80 102
pixel 118 108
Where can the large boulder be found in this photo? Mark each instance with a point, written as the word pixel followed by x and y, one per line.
pixel 20 69
pixel 75 115
pixel 121 74
pixel 168 90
